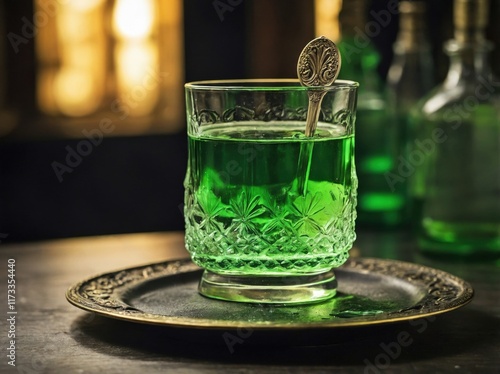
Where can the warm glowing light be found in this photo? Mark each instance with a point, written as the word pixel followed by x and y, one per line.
pixel 45 91
pixel 84 5
pixel 75 26
pixel 136 56
pixel 326 18
pixel 76 77
pixel 94 56
pixel 133 19
pixel 138 80
pixel 84 56
pixel 75 92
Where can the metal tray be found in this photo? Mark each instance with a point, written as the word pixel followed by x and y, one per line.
pixel 370 292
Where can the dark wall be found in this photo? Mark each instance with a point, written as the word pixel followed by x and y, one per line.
pixel 134 184
pixel 124 185
pixel 215 43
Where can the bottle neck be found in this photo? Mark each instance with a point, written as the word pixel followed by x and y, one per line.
pixel 411 44
pixel 360 59
pixel 470 18
pixel 468 62
pixel 352 17
pixel 411 36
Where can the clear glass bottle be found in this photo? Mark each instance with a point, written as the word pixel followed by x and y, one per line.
pixel 376 139
pixel 410 77
pixel 456 153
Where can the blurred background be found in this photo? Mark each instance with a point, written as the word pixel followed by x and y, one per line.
pixel 92 127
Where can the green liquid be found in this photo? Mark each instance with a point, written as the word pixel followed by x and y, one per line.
pixel 457 188
pixel 244 213
pixel 378 203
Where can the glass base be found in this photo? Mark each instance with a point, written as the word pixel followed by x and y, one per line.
pixel 289 289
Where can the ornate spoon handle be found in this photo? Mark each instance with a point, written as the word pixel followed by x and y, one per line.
pixel 318 66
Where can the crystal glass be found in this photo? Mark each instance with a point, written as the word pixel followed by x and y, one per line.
pixel 269 212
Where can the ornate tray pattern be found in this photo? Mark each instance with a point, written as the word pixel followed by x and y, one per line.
pixel 371 292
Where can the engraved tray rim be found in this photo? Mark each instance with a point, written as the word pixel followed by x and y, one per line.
pixel 104 294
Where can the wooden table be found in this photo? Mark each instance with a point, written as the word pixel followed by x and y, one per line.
pixel 52 336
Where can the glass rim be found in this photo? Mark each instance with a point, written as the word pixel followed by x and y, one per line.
pixel 267 84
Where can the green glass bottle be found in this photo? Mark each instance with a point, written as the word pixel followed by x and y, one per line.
pixel 410 77
pixel 456 153
pixel 376 138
